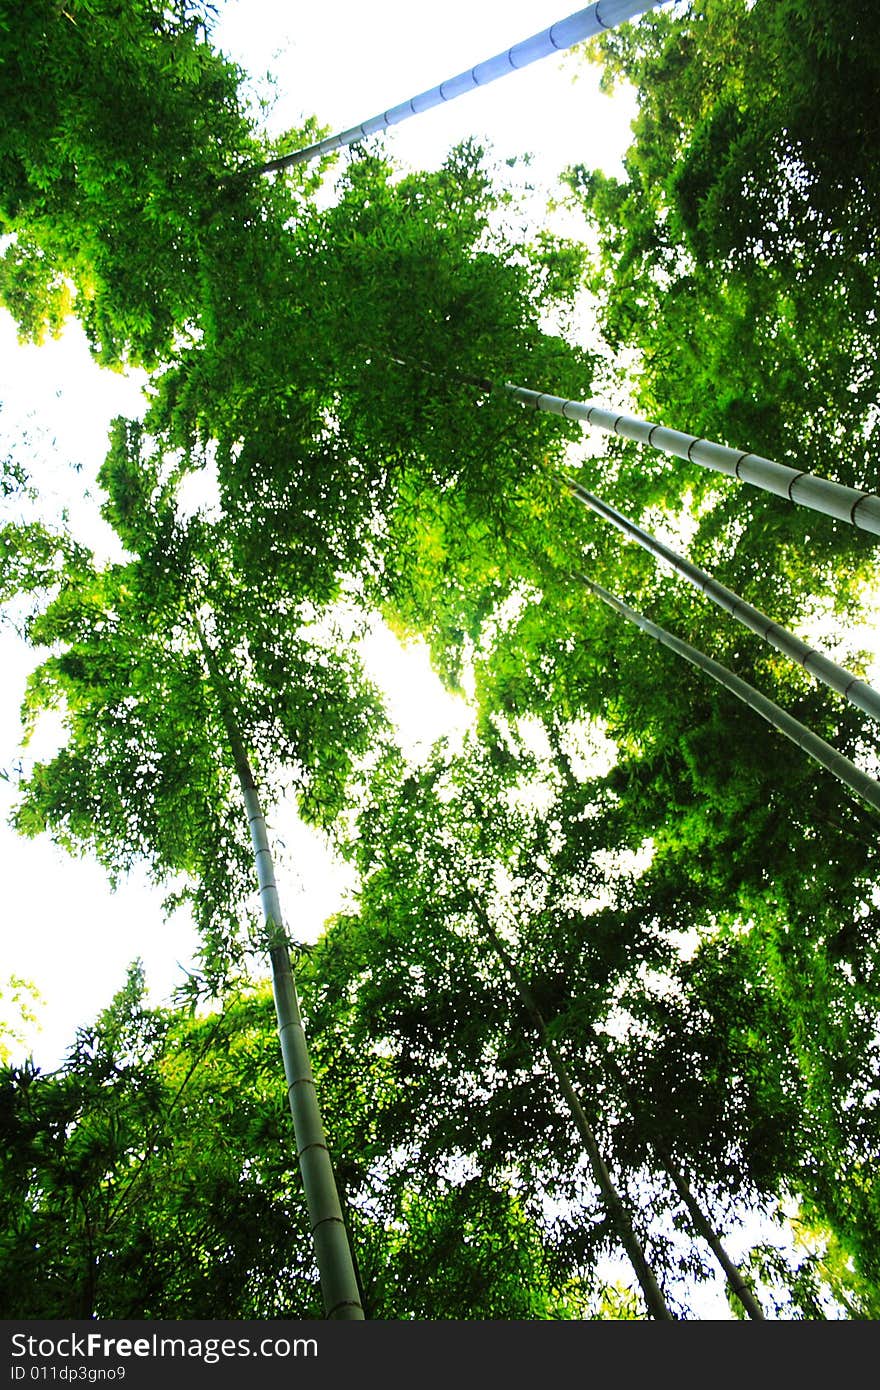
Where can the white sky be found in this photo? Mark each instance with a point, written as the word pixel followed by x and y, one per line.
pixel 61 927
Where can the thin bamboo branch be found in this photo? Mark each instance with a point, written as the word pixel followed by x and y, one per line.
pixel 823 753
pixel 851 687
pixel 124 1196
pixel 583 24
pixel 859 508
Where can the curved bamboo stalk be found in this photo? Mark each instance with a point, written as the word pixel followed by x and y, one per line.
pixel 339 1286
pixel 857 691
pixel 584 24
pixel 860 508
pixel 816 747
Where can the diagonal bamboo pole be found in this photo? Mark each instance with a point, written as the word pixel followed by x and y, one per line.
pixel 703 1227
pixel 857 691
pixel 653 1295
pixel 699 1220
pixel 339 1286
pixel 860 508
pixel 583 24
pixel 847 772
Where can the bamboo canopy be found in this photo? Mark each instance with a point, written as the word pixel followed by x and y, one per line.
pixel 857 691
pixel 860 508
pixel 583 24
pixel 829 758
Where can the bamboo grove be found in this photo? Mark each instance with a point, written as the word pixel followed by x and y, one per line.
pixel 606 993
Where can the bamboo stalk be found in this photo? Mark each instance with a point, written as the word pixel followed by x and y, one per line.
pixel 339 1286
pixel 856 506
pixel 654 1299
pixel 583 24
pixel 857 691
pixel 704 1227
pixel 814 746
pixel 699 1219
pixel 859 508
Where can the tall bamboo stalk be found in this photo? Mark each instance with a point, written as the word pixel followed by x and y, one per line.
pixel 583 24
pixel 699 1220
pixel 703 1226
pixel 654 1299
pixel 860 508
pixel 339 1286
pixel 816 747
pixel 857 691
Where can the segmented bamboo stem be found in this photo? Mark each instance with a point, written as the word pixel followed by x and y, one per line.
pixel 841 767
pixel 583 24
pixel 838 678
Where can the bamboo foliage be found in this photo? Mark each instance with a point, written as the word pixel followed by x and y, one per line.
pixel 821 752
pixel 218 387
pixel 863 509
